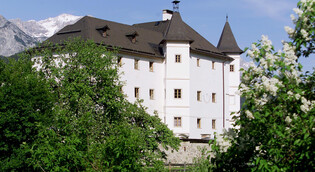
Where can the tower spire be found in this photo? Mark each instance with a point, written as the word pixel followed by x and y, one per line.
pixel 227 17
pixel 227 42
pixel 176 6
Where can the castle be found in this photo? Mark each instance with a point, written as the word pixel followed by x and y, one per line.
pixel 183 78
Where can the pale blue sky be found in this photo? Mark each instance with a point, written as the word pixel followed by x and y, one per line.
pixel 249 19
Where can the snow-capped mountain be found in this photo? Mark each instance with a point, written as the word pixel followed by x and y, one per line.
pixel 17 35
pixel 53 25
pixel 12 38
pixel 44 29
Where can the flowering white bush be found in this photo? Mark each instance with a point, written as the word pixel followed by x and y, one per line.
pixel 276 123
pixel 303 34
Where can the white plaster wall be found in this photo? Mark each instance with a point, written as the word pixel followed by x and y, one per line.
pixel 234 81
pixel 177 76
pixel 208 81
pixel 178 112
pixel 177 70
pixel 188 77
pixel 185 96
pixel 144 80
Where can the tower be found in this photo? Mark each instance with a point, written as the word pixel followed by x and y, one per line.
pixel 176 43
pixel 228 45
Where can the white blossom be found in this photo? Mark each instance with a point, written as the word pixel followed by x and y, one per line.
pixel 223 142
pixel 266 42
pixel 293 18
pixel 289 30
pixel 250 53
pixel 298 11
pixel 271 85
pixel 306 105
pixel 305 35
pixel 245 78
pixel 257 70
pixel 297 96
pixel 262 101
pixel 288 120
pixel 304 108
pixel 263 63
pixel 254 48
pixel 249 114
pixel 290 93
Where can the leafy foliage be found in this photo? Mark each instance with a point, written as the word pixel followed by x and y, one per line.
pixel 275 127
pixel 303 36
pixel 93 127
pixel 25 103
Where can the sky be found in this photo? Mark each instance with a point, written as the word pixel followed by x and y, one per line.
pixel 249 19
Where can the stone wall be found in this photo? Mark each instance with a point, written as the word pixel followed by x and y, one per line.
pixel 187 152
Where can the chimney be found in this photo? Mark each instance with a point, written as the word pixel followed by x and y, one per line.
pixel 167 14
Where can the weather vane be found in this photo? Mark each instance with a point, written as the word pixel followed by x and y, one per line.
pixel 176 6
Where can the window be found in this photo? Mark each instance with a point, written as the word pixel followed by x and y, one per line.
pixel 213 124
pixel 134 39
pixel 177 121
pixel 213 65
pixel 177 58
pixel 119 61
pixel 231 68
pixel 198 62
pixel 213 97
pixel 136 92
pixel 198 95
pixel 151 93
pixel 151 66
pixel 177 93
pixel 104 33
pixel 198 123
pixel 136 64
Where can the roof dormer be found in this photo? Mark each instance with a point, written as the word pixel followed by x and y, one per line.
pixel 103 31
pixel 132 36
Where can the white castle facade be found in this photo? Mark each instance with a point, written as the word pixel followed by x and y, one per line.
pixel 185 80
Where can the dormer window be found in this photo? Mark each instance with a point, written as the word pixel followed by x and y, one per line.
pixel 104 34
pixel 132 36
pixel 103 31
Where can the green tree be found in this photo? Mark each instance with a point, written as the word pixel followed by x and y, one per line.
pixel 276 121
pixel 25 103
pixel 94 127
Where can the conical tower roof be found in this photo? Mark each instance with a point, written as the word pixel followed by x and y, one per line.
pixel 177 30
pixel 227 42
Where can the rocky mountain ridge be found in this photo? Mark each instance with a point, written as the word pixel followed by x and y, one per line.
pixel 17 35
pixel 45 28
pixel 13 39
